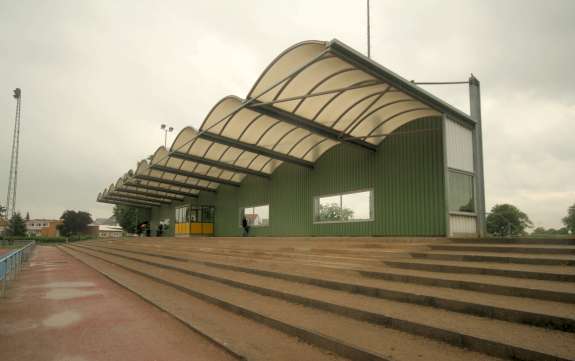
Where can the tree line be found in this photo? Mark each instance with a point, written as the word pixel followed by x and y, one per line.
pixel 74 223
pixel 507 220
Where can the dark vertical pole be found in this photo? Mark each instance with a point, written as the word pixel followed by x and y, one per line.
pixel 445 175
pixel 368 32
pixel 475 111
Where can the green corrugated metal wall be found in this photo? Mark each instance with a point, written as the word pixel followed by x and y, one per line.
pixel 406 175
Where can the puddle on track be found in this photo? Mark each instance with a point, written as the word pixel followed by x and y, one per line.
pixel 68 293
pixel 62 319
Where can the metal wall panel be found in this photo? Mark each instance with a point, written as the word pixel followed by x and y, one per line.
pixel 462 225
pixel 405 174
pixel 459 140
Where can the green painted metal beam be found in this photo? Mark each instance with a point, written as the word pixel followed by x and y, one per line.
pixel 174 183
pixel 221 165
pixel 194 175
pixel 255 149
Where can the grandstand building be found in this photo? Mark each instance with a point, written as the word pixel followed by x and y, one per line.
pixel 327 142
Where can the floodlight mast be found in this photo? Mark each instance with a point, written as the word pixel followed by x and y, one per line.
pixel 13 176
pixel 166 129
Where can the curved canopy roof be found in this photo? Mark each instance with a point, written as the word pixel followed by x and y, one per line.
pixel 136 190
pixel 313 96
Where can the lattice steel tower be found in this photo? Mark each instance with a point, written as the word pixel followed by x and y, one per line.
pixel 13 177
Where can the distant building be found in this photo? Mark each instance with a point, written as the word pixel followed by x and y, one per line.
pixel 43 227
pixel 106 221
pixel 103 231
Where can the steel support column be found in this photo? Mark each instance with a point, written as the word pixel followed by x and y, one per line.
pixel 475 112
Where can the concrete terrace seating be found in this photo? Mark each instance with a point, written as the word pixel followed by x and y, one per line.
pixel 357 298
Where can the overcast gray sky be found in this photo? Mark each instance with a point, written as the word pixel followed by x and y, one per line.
pixel 99 77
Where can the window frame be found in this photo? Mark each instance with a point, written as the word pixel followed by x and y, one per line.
pixel 182 212
pixel 241 214
pixel 371 206
pixel 449 198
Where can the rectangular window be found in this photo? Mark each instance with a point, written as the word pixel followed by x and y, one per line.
pixel 345 207
pixel 182 214
pixel 258 216
pixel 461 192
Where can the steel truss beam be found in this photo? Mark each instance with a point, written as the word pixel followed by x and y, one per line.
pixel 160 189
pixel 320 93
pixel 354 58
pixel 147 194
pixel 121 199
pixel 307 124
pixel 124 203
pixel 218 164
pixel 174 183
pixel 116 193
pixel 194 175
pixel 255 149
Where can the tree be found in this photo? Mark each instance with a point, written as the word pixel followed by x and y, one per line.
pixel 128 217
pixel 569 220
pixel 563 230
pixel 507 220
pixel 74 223
pixel 16 226
pixel 539 230
pixel 27 216
pixel 333 212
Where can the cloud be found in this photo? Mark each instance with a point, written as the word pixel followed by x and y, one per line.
pixel 99 77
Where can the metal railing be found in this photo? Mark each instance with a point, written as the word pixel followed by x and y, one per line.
pixel 12 262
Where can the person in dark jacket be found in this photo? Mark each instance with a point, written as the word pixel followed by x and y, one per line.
pixel 246 227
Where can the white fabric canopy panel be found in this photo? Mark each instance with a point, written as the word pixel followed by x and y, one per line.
pixel 250 126
pixel 144 172
pixel 101 199
pixel 120 199
pixel 188 142
pixel 313 96
pixel 120 185
pixel 162 158
pixel 130 180
pixel 336 93
pixel 112 191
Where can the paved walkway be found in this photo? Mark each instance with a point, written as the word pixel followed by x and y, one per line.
pixel 59 309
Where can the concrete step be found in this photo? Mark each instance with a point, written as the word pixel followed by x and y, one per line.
pixel 515 309
pixel 545 290
pixel 547 273
pixel 548 259
pixel 551 273
pixel 348 337
pixel 317 300
pixel 242 337
pixel 543 241
pixel 507 248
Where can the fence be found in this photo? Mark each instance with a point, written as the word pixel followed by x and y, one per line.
pixel 11 263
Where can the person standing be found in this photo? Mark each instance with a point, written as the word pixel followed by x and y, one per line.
pixel 246 227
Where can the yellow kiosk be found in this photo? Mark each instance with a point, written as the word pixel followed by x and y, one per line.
pixel 195 221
